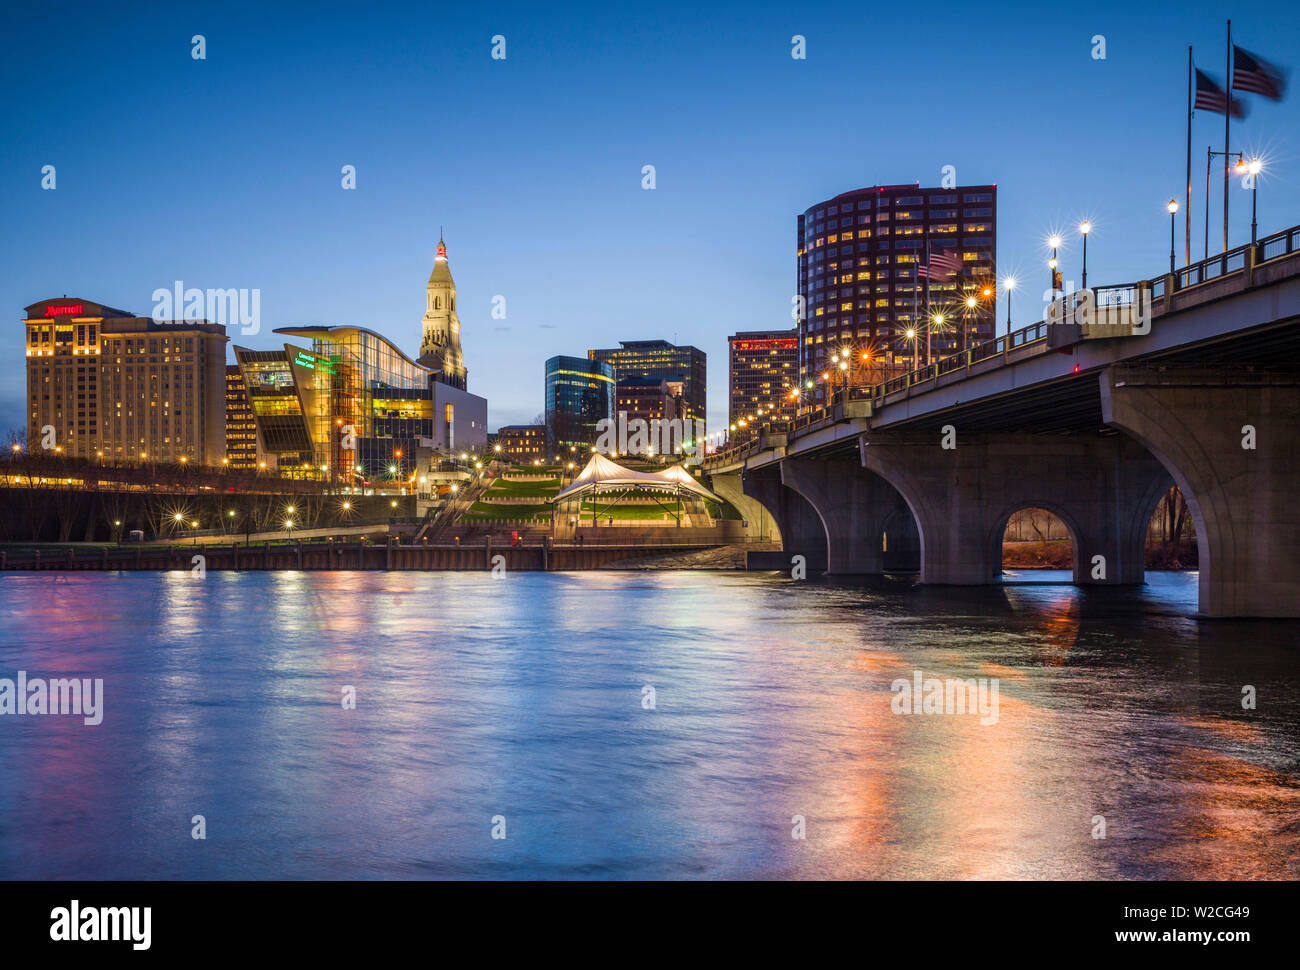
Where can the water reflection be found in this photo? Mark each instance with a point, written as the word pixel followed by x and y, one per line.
pixel 527 698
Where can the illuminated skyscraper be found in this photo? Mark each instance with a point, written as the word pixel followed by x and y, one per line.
pixel 860 259
pixel 764 372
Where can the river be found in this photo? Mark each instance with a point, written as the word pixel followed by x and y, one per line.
pixel 641 725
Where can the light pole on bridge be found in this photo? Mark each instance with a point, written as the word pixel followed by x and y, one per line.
pixel 1173 211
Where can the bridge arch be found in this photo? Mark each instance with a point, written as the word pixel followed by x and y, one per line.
pixel 792 520
pixel 853 505
pixel 1001 519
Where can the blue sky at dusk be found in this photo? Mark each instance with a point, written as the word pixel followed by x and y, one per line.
pixel 225 172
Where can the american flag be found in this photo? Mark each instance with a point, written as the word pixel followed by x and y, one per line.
pixel 1251 73
pixel 1211 97
pixel 941 266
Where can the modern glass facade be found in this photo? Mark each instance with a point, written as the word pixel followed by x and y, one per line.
pixel 579 394
pixel 346 405
pixel 859 256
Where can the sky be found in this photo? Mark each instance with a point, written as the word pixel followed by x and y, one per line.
pixel 226 171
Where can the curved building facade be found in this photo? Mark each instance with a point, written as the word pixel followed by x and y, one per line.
pixel 579 394
pixel 860 272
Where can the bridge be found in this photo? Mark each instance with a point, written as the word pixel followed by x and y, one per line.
pixel 1092 413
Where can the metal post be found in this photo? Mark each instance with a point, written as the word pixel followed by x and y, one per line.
pixel 1173 219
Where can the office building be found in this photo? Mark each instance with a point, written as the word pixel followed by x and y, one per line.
pixel 860 274
pixel 579 395
pixel 763 371
pixel 682 365
pixel 649 398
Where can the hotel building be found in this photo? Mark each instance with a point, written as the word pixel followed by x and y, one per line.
pixel 763 367
pixel 105 383
pixel 859 261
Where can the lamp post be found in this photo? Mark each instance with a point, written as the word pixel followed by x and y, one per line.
pixel 1009 284
pixel 1173 211
pixel 1055 243
pixel 1240 168
pixel 1084 228
pixel 1254 167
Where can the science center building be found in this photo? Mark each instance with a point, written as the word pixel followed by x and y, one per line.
pixel 345 403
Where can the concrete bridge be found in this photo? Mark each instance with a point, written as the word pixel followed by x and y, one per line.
pixel 1092 413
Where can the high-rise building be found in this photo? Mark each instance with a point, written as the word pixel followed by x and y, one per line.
pixel 763 367
pixel 440 330
pixel 104 383
pixel 683 365
pixel 860 274
pixel 579 395
pixel 648 398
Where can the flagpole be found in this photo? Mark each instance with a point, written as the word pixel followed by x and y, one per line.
pixel 1187 214
pixel 1227 116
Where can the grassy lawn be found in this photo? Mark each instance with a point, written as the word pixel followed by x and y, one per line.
pixel 539 489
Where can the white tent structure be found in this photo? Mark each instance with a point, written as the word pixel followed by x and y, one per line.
pixel 605 477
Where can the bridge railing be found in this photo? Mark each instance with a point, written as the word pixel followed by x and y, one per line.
pixel 1122 297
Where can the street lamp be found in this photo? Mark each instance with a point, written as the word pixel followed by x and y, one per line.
pixel 1084 228
pixel 1254 167
pixel 1009 284
pixel 1055 243
pixel 1173 211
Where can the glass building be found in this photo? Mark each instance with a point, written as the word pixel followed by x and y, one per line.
pixel 579 394
pixel 859 260
pixel 350 403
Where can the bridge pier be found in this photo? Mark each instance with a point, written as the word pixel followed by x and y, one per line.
pixel 1104 488
pixel 799 527
pixel 853 505
pixel 1231 440
pixel 762 525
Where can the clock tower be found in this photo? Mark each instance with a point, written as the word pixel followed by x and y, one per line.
pixel 440 341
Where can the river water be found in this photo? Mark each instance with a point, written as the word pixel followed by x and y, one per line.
pixel 522 706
